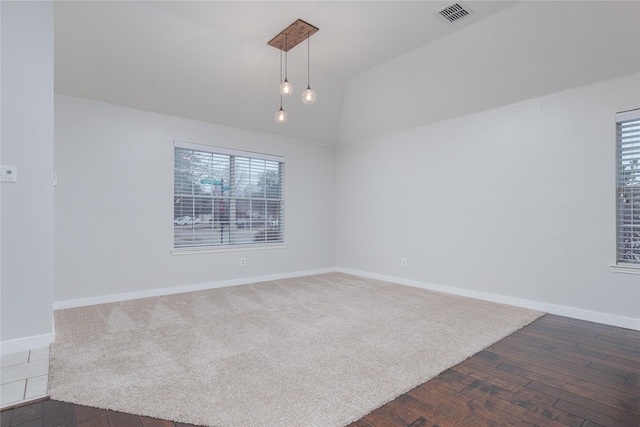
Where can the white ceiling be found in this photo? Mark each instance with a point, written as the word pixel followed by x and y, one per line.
pixel 209 60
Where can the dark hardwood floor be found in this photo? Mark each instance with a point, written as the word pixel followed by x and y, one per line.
pixel 556 371
pixel 53 413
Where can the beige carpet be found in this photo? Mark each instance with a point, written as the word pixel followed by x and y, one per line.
pixel 313 351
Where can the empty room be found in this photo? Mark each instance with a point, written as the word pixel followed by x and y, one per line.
pixel 320 213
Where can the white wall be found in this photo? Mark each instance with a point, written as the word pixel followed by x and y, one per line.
pixel 517 201
pixel 27 206
pixel 530 49
pixel 114 203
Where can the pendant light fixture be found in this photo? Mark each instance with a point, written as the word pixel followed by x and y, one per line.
pixel 281 115
pixel 286 88
pixel 309 95
pixel 289 38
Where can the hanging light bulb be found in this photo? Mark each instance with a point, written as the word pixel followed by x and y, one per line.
pixel 309 95
pixel 286 88
pixel 281 116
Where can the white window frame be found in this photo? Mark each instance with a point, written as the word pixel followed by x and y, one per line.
pixel 229 246
pixel 625 199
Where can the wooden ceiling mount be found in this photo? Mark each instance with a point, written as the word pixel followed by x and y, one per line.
pixel 291 36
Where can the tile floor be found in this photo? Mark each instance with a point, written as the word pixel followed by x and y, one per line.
pixel 24 376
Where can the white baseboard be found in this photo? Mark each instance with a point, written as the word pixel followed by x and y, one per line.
pixel 81 302
pixel 28 343
pixel 576 313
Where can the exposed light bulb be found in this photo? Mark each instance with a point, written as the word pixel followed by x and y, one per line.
pixel 309 96
pixel 286 88
pixel 281 116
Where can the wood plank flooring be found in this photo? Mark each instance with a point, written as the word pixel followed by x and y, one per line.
pixel 556 371
pixel 53 413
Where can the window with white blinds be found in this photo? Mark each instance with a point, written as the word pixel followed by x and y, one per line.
pixel 628 188
pixel 226 197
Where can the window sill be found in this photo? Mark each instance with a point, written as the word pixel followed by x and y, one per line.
pixel 625 268
pixel 234 248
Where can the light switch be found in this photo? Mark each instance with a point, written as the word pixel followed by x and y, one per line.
pixel 9 173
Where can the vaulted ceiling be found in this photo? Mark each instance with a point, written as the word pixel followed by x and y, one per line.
pixel 209 60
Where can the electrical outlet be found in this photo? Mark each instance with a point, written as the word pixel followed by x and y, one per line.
pixel 9 173
pixel 404 262
pixel 243 262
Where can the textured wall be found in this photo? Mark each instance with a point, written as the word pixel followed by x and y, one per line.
pixel 114 202
pixel 27 142
pixel 517 201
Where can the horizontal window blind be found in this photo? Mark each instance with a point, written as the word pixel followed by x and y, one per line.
pixel 226 197
pixel 628 187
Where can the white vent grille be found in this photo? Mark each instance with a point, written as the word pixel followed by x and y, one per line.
pixel 454 12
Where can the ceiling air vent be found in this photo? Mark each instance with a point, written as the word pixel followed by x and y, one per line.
pixel 454 12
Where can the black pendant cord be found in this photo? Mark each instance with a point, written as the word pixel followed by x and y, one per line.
pixel 281 78
pixel 308 62
pixel 280 66
pixel 286 59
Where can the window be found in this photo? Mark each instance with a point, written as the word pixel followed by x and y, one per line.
pixel 628 188
pixel 225 197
